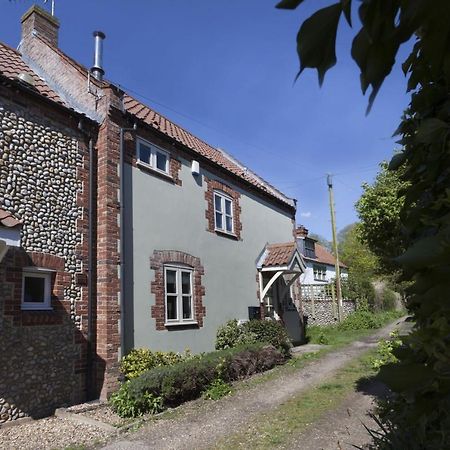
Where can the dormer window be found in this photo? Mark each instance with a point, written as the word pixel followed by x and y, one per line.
pixel 153 157
pixel 310 251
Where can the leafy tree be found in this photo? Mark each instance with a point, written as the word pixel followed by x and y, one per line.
pixel 342 234
pixel 419 417
pixel 363 266
pixel 379 211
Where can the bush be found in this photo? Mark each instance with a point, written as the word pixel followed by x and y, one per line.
pixel 217 389
pixel 140 360
pixel 385 350
pixel 126 405
pixel 264 331
pixel 187 379
pixel 361 320
pixel 389 300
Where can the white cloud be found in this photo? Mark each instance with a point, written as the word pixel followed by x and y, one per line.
pixel 306 214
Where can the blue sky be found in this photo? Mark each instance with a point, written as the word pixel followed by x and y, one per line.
pixel 224 69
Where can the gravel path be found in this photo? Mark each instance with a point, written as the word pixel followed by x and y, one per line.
pixel 51 433
pixel 198 425
pixel 342 428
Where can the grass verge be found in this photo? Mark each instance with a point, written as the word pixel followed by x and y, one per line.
pixel 278 426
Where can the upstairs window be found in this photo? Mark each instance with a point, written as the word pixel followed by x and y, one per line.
pixel 151 156
pixel 310 251
pixel 320 272
pixel 223 212
pixel 36 290
pixel 178 292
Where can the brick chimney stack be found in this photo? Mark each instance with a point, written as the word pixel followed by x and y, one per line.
pixel 301 232
pixel 38 21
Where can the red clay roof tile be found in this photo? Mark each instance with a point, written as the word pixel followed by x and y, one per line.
pixel 7 220
pixel 324 256
pixel 279 254
pixel 11 65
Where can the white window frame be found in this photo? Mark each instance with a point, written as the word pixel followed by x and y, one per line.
pixel 154 150
pixel 42 274
pixel 179 269
pixel 321 270
pixel 223 197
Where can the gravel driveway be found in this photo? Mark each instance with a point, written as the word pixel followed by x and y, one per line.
pixel 198 425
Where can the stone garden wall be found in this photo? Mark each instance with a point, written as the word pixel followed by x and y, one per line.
pixel 324 313
pixel 43 172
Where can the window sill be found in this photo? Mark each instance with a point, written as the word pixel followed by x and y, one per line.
pixel 36 308
pixel 154 171
pixel 186 324
pixel 226 234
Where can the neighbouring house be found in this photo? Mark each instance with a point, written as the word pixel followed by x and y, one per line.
pixel 119 229
pixel 320 262
pixel 318 292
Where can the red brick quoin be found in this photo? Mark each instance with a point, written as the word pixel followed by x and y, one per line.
pixel 214 185
pixel 157 261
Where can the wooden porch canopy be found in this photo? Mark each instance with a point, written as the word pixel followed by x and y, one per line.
pixel 9 232
pixel 278 260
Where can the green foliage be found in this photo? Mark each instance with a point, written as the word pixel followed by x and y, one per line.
pixel 363 266
pixel 350 328
pixel 385 350
pixel 140 360
pixel 419 414
pixel 231 334
pixel 186 380
pixel 126 405
pixel 379 211
pixel 217 389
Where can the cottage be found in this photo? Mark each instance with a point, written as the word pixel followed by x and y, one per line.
pixel 125 230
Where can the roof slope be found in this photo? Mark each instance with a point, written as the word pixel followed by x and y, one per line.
pixel 7 220
pixel 324 256
pixel 279 254
pixel 217 156
pixel 11 65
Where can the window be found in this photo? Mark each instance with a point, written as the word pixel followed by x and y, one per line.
pixel 178 292
pixel 310 251
pixel 223 213
pixel 36 290
pixel 320 272
pixel 152 156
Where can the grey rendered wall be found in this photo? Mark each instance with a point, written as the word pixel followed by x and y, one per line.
pixel 164 216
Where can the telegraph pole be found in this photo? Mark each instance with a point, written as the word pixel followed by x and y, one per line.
pixel 335 247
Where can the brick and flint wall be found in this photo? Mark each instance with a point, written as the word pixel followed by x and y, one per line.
pixel 43 181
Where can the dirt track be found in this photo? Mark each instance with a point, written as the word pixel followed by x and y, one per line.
pixel 199 425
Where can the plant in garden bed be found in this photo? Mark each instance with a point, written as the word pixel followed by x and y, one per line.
pixel 217 389
pixel 231 334
pixel 186 380
pixel 139 360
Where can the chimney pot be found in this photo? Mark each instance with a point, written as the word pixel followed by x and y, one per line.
pixel 37 20
pixel 301 232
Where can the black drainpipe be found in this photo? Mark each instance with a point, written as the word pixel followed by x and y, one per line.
pixel 90 282
pixel 122 237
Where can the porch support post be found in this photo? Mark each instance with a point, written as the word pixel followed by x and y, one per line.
pixel 289 284
pixel 269 284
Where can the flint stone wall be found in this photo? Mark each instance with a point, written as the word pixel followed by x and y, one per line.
pixel 324 314
pixel 40 162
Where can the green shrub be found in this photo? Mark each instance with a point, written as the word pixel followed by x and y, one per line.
pixel 140 360
pixel 385 350
pixel 264 331
pixel 187 379
pixel 126 405
pixel 217 389
pixel 361 320
pixel 389 300
pixel 228 335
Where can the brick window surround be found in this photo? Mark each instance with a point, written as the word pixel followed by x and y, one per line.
pixel 214 185
pixel 157 262
pixel 59 281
